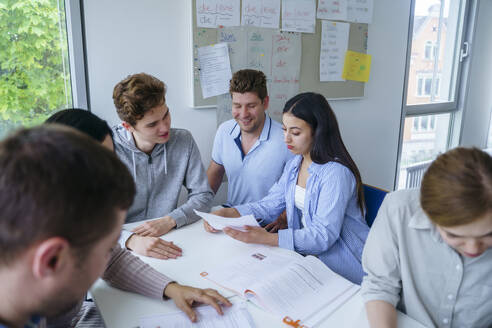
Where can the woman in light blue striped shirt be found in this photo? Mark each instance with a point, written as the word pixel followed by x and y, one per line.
pixel 320 189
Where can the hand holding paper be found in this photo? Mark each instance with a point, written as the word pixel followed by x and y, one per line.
pixel 219 222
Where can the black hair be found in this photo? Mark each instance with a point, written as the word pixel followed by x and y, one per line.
pixel 84 121
pixel 328 146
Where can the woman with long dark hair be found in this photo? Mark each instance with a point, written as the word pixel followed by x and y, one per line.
pixel 320 189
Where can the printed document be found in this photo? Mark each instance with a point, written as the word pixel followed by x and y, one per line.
pixel 287 284
pixel 234 316
pixel 215 69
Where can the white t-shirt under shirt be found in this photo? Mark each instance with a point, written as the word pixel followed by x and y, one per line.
pixel 299 196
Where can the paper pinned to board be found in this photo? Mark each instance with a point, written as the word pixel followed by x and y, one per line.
pixel 261 13
pixel 216 13
pixel 299 15
pixel 334 44
pixel 360 11
pixel 220 222
pixel 357 66
pixel 235 316
pixel 215 69
pixel 332 9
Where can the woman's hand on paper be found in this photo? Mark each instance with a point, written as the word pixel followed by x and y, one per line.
pixel 155 228
pixel 227 212
pixel 253 235
pixel 208 227
pixel 185 296
pixel 153 247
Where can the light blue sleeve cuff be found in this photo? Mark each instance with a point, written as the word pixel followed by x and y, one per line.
pixel 244 209
pixel 125 235
pixel 286 239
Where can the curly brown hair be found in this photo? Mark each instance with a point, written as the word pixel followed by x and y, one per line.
pixel 249 80
pixel 457 187
pixel 136 95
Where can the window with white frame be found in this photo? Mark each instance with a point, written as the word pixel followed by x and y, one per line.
pixel 426 123
pixel 430 50
pixel 426 83
pixel 35 67
pixel 432 81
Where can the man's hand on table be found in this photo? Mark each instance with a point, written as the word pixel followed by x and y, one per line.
pixel 155 228
pixel 185 296
pixel 153 247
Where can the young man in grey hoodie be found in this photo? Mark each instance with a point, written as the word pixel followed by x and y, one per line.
pixel 161 160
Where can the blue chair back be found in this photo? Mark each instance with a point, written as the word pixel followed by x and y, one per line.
pixel 373 198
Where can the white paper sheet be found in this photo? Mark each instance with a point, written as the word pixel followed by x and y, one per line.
pixel 215 69
pixel 220 222
pixel 293 285
pixel 261 13
pixel 299 15
pixel 234 316
pixel 215 13
pixel 243 272
pixel 285 72
pixel 334 43
pixel 332 9
pixel 360 11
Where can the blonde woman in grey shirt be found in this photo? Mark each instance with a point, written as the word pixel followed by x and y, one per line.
pixel 428 253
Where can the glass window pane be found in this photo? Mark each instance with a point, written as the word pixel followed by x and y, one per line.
pixel 428 83
pixel 421 146
pixel 34 70
pixel 437 30
pixel 415 123
pixel 423 122
pixel 419 87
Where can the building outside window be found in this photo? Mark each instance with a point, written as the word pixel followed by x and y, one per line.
pixel 432 80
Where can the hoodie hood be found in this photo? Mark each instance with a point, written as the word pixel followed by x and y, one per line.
pixel 124 139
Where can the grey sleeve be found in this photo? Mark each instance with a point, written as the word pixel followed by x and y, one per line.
pixel 127 272
pixel 381 260
pixel 200 194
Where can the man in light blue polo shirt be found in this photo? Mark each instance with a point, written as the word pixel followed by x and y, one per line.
pixel 250 148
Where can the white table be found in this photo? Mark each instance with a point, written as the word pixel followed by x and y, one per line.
pixel 202 251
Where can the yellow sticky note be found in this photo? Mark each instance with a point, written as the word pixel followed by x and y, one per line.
pixel 357 66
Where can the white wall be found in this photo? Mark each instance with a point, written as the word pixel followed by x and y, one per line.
pixel 126 36
pixel 476 116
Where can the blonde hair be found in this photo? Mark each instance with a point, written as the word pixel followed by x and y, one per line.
pixel 457 187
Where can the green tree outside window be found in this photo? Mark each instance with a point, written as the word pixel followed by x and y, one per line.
pixel 34 71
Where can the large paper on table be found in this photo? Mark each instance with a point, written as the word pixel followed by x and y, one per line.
pixel 235 316
pixel 286 284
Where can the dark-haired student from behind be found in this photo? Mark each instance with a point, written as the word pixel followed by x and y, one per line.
pixel 320 189
pixel 124 271
pixel 57 228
